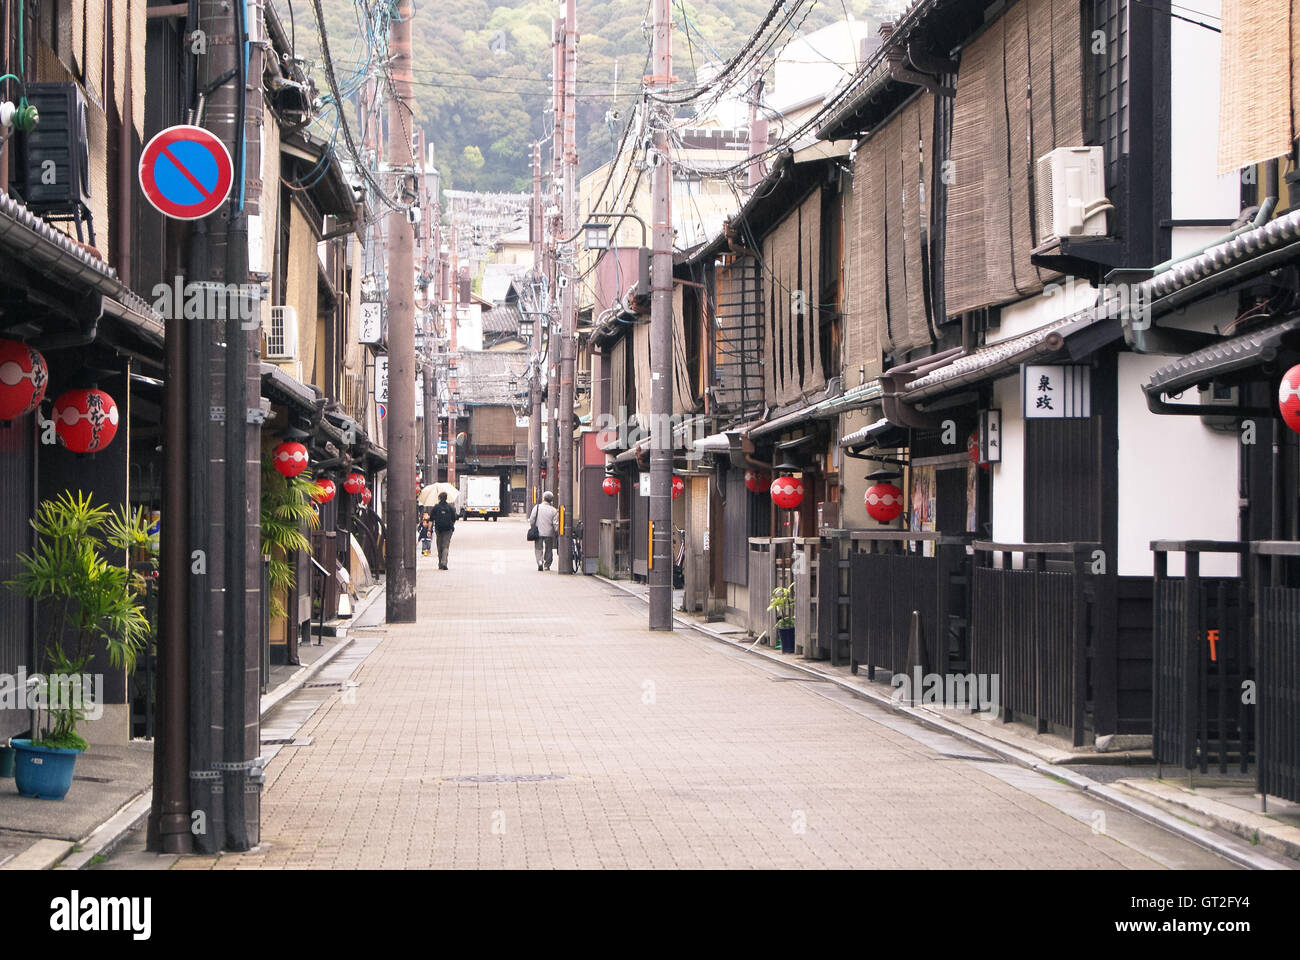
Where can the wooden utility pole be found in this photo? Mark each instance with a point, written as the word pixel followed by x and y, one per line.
pixel 452 381
pixel 757 129
pixel 568 302
pixel 400 506
pixel 661 335
pixel 535 370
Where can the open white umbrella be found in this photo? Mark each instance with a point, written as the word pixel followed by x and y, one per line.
pixel 429 495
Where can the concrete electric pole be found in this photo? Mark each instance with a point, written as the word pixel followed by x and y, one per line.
pixel 568 304
pixel 400 504
pixel 661 335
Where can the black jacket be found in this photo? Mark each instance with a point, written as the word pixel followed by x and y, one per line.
pixel 444 516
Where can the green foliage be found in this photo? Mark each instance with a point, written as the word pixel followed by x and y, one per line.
pixel 286 508
pixel 783 606
pixel 98 602
pixel 482 71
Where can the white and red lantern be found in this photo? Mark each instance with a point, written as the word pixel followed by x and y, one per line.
pixel 611 485
pixel 23 378
pixel 679 486
pixel 787 492
pixel 325 490
pixel 290 458
pixel 1288 398
pixel 85 420
pixel 756 481
pixel 884 502
pixel 366 496
pixel 354 484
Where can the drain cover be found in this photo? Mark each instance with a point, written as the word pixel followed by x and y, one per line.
pixel 286 741
pixel 332 683
pixel 93 779
pixel 506 778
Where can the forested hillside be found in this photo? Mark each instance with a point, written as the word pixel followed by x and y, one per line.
pixel 482 69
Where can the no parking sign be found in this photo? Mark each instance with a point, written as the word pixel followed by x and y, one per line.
pixel 185 172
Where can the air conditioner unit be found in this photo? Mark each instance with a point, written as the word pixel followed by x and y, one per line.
pixel 282 334
pixel 1071 194
pixel 55 156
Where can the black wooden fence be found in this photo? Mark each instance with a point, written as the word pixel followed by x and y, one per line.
pixel 1276 574
pixel 1201 660
pixel 891 576
pixel 1030 628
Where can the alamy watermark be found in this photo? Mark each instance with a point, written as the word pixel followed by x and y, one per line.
pixel 83 692
pixel 971 691
pixel 181 300
pixel 666 433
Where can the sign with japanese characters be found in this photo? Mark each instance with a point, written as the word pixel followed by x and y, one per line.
pixel 990 437
pixel 371 328
pixel 1059 392
pixel 381 378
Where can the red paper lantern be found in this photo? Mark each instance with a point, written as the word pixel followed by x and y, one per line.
pixel 354 484
pixel 290 458
pixel 325 490
pixel 787 492
pixel 23 379
pixel 366 496
pixel 679 487
pixel 85 420
pixel 611 486
pixel 1288 398
pixel 756 481
pixel 884 502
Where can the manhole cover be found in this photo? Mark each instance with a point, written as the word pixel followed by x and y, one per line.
pixel 506 778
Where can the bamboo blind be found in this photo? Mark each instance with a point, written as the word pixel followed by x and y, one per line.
pixel 1019 96
pixel 1255 116
pixel 791 348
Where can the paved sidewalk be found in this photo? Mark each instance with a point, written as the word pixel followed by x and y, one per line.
pixel 530 720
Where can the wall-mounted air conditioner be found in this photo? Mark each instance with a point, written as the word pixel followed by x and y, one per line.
pixel 1071 194
pixel 282 334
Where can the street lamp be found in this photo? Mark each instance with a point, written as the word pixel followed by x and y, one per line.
pixel 597 233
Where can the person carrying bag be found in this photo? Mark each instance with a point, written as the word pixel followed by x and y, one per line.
pixel 544 524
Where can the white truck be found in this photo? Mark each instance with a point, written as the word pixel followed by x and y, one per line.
pixel 480 497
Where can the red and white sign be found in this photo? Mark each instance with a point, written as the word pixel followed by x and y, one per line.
pixel 185 172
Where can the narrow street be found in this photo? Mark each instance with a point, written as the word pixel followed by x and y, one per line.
pixel 528 720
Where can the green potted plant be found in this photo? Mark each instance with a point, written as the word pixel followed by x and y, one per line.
pixel 783 606
pixel 286 506
pixel 95 605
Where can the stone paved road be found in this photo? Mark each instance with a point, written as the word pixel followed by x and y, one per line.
pixel 529 720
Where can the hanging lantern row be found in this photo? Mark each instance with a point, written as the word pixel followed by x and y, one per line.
pixel 325 490
pixel 679 486
pixel 354 484
pixel 23 379
pixel 756 481
pixel 1288 398
pixel 787 492
pixel 290 458
pixel 611 485
pixel 85 420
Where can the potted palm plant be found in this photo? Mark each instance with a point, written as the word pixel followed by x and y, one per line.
pixel 287 506
pixel 95 605
pixel 783 606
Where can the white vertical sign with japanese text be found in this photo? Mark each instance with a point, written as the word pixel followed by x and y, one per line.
pixel 1056 392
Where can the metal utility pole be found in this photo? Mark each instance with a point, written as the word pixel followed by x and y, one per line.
pixel 400 507
pixel 661 336
pixel 568 305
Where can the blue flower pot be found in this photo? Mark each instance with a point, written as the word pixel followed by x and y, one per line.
pixel 44 772
pixel 787 639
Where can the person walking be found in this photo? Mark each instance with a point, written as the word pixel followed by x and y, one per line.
pixel 444 519
pixel 547 520
pixel 426 535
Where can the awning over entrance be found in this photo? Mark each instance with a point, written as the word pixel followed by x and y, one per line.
pixel 1223 359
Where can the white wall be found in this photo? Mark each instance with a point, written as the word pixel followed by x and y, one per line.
pixel 469 326
pixel 1057 302
pixel 1194 134
pixel 1009 475
pixel 1177 478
